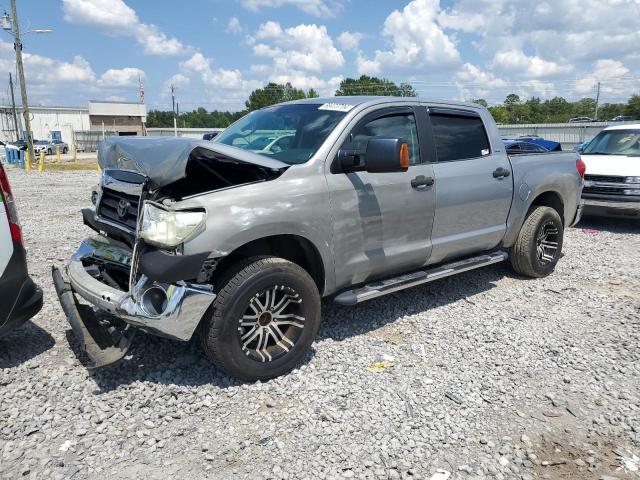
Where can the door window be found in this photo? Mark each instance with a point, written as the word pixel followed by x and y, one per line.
pixel 459 137
pixel 396 125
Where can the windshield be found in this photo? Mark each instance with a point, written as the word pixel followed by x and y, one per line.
pixel 289 133
pixel 615 142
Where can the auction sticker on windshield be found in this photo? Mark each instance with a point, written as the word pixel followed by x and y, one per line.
pixel 336 107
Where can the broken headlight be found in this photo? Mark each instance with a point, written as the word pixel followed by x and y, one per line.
pixel 169 228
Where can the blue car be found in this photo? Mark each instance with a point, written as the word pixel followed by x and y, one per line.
pixel 514 147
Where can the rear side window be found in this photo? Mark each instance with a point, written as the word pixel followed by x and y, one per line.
pixel 459 137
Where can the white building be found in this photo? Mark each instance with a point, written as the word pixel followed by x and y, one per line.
pixel 46 122
pixel 119 118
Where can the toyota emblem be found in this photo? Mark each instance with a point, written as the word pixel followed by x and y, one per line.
pixel 123 208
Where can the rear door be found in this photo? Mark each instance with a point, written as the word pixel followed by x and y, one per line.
pixel 382 221
pixel 474 185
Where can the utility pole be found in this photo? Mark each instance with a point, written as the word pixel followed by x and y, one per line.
pixel 23 86
pixel 597 100
pixel 173 99
pixel 13 106
pixel 173 109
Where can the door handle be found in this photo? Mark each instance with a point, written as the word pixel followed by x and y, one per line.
pixel 501 173
pixel 422 181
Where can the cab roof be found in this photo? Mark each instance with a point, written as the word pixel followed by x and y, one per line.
pixel 375 100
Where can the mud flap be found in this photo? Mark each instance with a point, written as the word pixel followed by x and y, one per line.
pixel 100 345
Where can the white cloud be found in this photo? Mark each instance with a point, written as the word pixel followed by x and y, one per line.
pixel 317 8
pixel 470 74
pixel 56 81
pixel 350 40
pixel 44 69
pixel 417 40
pixel 608 71
pixel 123 77
pixel 197 63
pixel 306 82
pixel 517 62
pixel 217 77
pixel 306 48
pixel 116 18
pixel 475 83
pixel 234 26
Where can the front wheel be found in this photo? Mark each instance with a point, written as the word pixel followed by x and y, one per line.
pixel 64 150
pixel 264 319
pixel 539 244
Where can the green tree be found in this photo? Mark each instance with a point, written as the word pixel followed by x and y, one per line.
pixel 511 103
pixel 480 101
pixel 532 111
pixel 407 90
pixel 585 107
pixel 500 114
pixel 608 111
pixel 273 93
pixel 557 110
pixel 633 106
pixel 366 85
pixel 311 93
pixel 512 99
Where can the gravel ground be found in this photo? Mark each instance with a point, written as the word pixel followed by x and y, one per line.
pixel 483 375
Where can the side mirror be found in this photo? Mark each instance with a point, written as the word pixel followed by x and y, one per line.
pixel 350 161
pixel 386 154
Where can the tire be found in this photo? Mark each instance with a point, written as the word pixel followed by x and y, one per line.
pixel 49 152
pixel 64 150
pixel 233 335
pixel 539 244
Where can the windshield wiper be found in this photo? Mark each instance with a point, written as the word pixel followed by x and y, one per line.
pixel 597 153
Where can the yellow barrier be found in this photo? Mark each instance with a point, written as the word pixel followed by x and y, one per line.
pixel 74 153
pixel 58 155
pixel 27 162
pixel 41 164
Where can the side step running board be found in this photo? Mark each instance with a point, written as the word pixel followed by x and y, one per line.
pixel 390 285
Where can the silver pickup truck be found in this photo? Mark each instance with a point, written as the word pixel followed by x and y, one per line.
pixel 236 240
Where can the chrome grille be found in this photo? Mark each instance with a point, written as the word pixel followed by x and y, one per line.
pixel 604 178
pixel 603 190
pixel 119 208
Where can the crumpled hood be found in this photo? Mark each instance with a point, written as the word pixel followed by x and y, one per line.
pixel 164 159
pixel 615 165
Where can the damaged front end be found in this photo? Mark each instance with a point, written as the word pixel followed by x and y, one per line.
pixel 135 270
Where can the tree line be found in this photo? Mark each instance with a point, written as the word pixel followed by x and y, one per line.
pixel 513 110
pixel 558 109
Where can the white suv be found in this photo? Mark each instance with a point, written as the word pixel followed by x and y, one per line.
pixel 612 182
pixel 20 297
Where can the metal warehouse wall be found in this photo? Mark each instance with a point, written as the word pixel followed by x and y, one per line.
pixel 65 120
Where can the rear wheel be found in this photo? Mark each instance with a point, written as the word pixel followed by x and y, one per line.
pixel 49 152
pixel 539 244
pixel 264 319
pixel 64 150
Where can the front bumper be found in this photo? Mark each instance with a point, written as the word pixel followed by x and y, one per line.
pixel 176 315
pixel 614 205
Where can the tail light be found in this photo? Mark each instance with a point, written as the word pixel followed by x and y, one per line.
pixel 12 214
pixel 581 167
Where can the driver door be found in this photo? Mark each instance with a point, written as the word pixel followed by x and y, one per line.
pixel 381 222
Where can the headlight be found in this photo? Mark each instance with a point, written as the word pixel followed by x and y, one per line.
pixel 168 228
pixel 632 180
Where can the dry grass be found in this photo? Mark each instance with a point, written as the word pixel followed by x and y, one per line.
pixel 68 166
